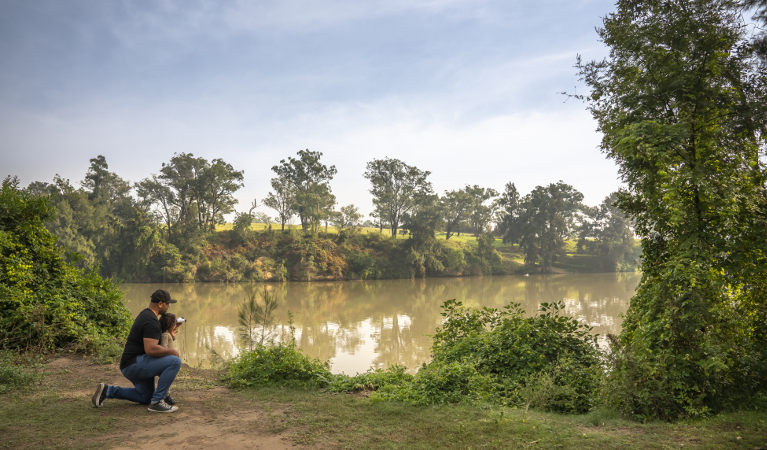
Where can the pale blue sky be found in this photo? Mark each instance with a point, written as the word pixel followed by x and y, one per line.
pixel 468 90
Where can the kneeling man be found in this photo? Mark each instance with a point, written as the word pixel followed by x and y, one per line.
pixel 143 359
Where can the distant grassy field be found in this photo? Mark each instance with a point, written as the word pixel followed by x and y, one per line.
pixel 464 237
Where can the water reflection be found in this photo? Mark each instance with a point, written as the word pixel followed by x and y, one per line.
pixel 357 325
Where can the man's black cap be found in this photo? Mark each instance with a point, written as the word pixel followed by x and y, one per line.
pixel 161 295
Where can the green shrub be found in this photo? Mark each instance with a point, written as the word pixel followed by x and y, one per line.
pixel 277 364
pixel 548 360
pixel 371 381
pixel 441 382
pixel 45 302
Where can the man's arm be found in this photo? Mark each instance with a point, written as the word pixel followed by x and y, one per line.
pixel 152 347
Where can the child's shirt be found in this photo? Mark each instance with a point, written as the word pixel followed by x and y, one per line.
pixel 167 340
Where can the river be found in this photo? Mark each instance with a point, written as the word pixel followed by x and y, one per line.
pixel 358 325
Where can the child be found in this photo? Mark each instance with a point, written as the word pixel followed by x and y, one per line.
pixel 169 325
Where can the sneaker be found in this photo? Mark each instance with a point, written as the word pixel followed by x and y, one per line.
pixel 162 407
pixel 169 400
pixel 99 395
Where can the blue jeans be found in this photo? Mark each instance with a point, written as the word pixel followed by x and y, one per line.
pixel 141 373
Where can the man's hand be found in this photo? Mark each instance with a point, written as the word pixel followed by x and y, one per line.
pixel 153 348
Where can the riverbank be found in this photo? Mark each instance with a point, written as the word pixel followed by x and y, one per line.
pixel 55 412
pixel 270 255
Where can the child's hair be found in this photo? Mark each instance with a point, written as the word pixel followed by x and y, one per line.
pixel 167 322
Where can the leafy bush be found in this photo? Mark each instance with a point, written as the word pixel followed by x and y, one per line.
pixel 442 382
pixel 548 360
pixel 277 364
pixel 371 381
pixel 45 302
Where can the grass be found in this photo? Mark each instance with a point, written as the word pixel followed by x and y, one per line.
pixel 56 413
pixel 348 421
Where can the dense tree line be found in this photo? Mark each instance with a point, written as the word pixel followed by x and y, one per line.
pixel 162 228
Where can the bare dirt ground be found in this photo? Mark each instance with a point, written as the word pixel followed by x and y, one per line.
pixel 209 415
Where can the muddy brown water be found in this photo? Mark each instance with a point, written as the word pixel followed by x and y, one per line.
pixel 359 325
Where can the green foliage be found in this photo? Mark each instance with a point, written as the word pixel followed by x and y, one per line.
pixel 252 314
pixel 486 355
pixel 606 233
pixel 540 221
pixel 548 354
pixel 305 182
pixel 397 189
pixel 548 361
pixel 682 105
pixel 46 303
pixel 277 364
pixel 371 381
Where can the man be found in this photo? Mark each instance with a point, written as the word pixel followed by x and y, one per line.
pixel 143 359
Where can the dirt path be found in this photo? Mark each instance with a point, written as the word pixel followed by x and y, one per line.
pixel 209 415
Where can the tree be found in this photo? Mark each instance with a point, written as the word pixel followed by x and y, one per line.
pixel 397 188
pixel 480 214
pixel 507 213
pixel 309 180
pixel 422 249
pixel 281 199
pixel 103 185
pixel 46 303
pixel 152 191
pixel 682 102
pixel 545 220
pixel 760 14
pixel 456 206
pixel 607 233
pixel 348 217
pixel 214 192
pixel 192 192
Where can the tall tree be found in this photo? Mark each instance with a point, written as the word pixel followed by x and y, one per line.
pixel 480 213
pixel 103 185
pixel 681 102
pixel 309 178
pixel 546 219
pixel 192 192
pixel 456 206
pixel 759 7
pixel 153 191
pixel 281 199
pixel 214 192
pixel 397 188
pixel 507 213
pixel 608 234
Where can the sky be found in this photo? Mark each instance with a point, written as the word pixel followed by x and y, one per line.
pixel 470 90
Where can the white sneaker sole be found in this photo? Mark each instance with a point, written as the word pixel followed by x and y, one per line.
pixel 97 396
pixel 172 409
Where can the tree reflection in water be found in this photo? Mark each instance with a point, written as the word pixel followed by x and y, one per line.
pixel 358 325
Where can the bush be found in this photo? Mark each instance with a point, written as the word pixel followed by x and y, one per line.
pixel 277 364
pixel 371 381
pixel 548 360
pixel 45 302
